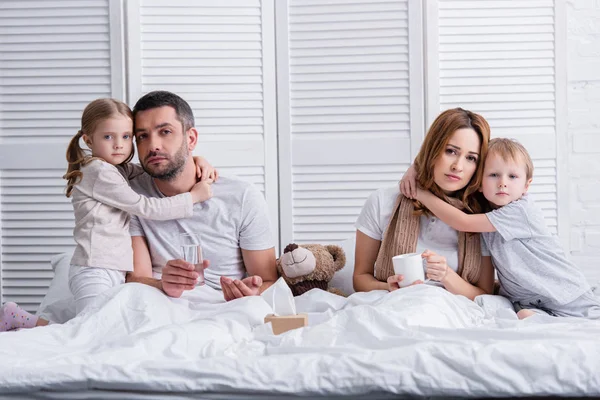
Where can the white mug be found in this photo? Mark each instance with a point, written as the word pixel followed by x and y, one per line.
pixel 410 266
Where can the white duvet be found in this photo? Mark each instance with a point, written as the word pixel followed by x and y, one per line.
pixel 420 340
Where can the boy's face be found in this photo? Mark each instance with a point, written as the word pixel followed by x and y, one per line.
pixel 503 181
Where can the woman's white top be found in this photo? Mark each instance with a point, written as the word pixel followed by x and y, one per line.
pixel 434 234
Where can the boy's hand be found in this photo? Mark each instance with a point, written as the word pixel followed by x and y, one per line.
pixel 408 184
pixel 419 194
pixel 205 171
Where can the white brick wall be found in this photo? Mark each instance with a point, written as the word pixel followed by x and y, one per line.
pixel 584 133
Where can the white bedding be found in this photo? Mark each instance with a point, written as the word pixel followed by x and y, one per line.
pixel 420 340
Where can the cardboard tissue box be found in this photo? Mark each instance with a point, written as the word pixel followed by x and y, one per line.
pixel 284 323
pixel 284 316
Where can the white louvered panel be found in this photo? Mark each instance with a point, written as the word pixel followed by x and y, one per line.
pixel 211 55
pixel 37 223
pixel 497 58
pixel 349 110
pixel 219 57
pixel 544 190
pixel 56 57
pixel 328 199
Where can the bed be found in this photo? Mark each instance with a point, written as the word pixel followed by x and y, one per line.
pixel 134 342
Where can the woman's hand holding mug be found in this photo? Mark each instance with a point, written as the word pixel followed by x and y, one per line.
pixel 437 267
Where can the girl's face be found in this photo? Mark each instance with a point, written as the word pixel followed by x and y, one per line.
pixel 458 162
pixel 112 140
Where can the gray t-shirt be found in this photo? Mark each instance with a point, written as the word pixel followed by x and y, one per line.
pixel 235 218
pixel 529 260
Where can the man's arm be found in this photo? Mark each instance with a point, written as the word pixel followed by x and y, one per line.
pixel 263 264
pixel 260 262
pixel 142 264
pixel 454 217
pixel 177 276
pixel 262 273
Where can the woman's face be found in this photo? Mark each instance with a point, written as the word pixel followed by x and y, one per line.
pixel 458 162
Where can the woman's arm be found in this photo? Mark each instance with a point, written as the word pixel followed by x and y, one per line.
pixel 454 283
pixel 366 251
pixel 454 217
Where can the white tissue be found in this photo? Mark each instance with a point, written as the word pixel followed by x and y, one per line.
pixel 279 297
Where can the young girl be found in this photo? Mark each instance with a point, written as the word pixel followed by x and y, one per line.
pixel 533 271
pixel 102 202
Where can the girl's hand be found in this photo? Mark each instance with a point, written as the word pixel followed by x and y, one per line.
pixel 437 268
pixel 201 192
pixel 394 282
pixel 205 171
pixel 408 184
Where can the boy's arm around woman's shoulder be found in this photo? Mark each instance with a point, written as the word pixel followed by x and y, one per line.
pixel 454 217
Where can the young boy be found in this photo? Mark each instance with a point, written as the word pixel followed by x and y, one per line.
pixel 533 271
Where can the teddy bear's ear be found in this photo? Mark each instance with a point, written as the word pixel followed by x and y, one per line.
pixel 290 247
pixel 339 257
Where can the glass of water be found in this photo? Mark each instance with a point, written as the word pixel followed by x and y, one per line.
pixel 191 248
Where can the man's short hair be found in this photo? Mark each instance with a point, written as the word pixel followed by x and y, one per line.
pixel 161 98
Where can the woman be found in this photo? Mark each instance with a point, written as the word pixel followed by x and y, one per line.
pixel 450 165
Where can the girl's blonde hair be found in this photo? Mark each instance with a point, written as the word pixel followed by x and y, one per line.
pixel 94 113
pixel 434 145
pixel 511 150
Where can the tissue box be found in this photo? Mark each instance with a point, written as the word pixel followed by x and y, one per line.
pixel 284 323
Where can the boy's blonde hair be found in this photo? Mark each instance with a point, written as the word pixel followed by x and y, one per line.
pixel 511 150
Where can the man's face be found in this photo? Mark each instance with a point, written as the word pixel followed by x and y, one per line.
pixel 162 145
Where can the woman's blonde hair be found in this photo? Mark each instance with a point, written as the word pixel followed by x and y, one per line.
pixel 434 145
pixel 94 113
pixel 511 150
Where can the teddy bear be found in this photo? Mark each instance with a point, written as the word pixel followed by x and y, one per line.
pixel 308 266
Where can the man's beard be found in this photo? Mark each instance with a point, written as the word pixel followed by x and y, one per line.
pixel 173 168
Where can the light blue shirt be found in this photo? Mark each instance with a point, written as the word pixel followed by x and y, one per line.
pixel 529 260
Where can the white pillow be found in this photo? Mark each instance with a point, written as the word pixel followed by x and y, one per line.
pixel 342 279
pixel 58 306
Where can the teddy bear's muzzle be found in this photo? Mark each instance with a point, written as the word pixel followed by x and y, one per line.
pixel 298 262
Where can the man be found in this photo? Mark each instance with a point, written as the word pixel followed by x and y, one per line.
pixel 233 225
